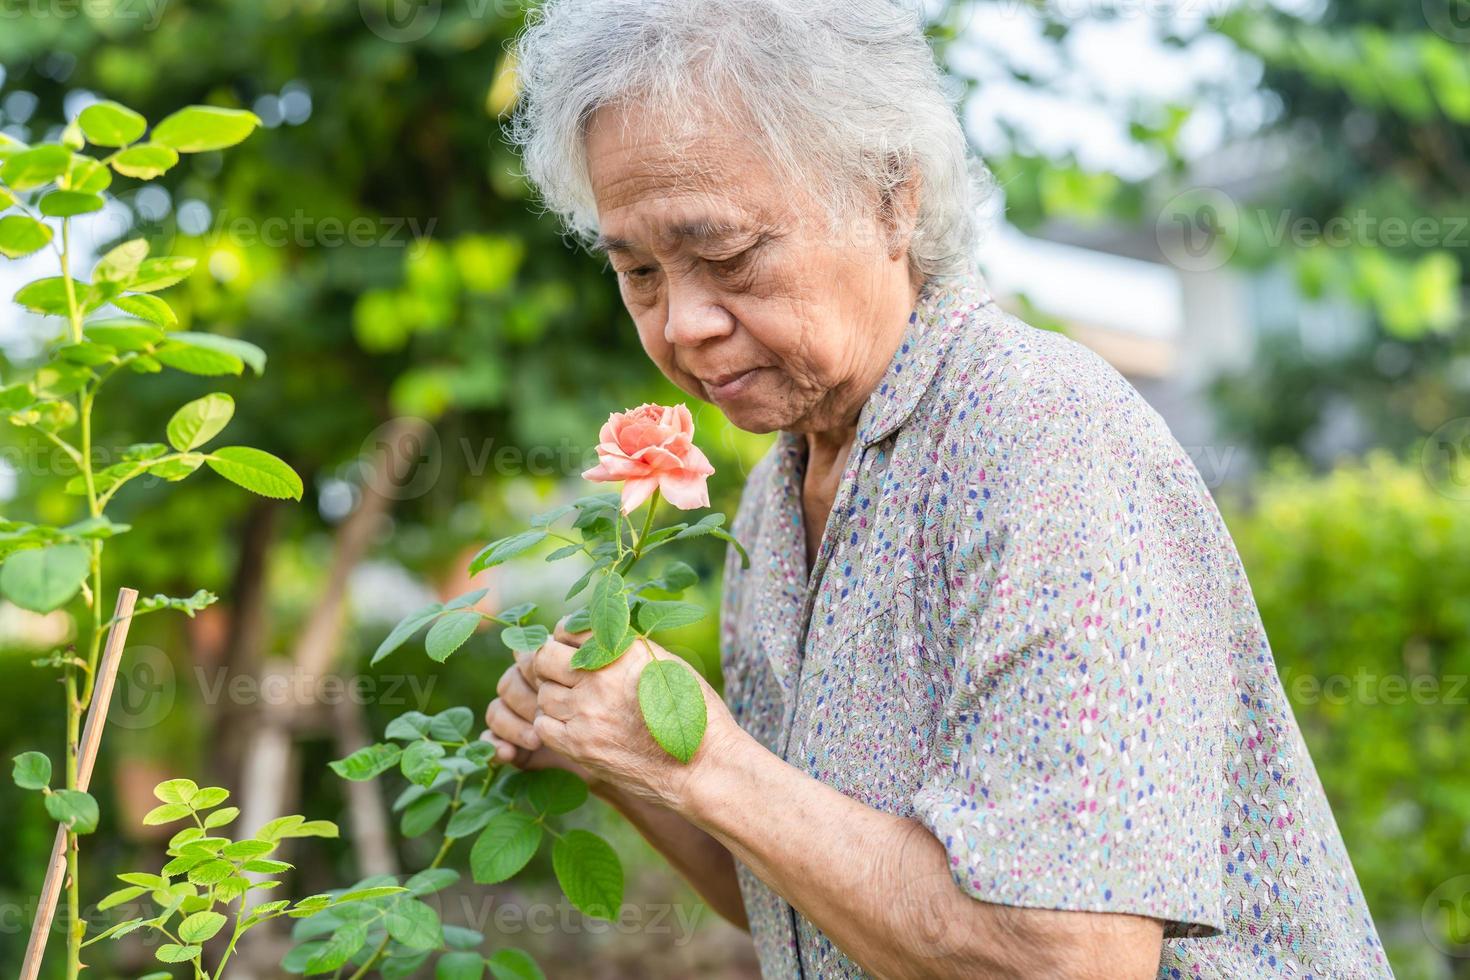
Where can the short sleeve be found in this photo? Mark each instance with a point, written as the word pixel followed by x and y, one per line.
pixel 1079 760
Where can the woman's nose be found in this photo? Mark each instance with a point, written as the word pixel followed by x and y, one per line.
pixel 695 317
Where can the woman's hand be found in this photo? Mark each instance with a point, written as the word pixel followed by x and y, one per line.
pixel 592 718
pixel 509 719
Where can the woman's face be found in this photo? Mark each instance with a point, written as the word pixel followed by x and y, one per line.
pixel 742 294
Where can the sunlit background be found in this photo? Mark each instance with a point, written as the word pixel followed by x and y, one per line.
pixel 1257 212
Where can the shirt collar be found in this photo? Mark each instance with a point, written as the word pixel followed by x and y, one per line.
pixel 942 309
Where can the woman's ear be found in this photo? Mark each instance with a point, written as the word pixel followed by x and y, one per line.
pixel 898 213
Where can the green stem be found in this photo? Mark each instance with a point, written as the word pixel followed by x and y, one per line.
pixel 647 522
pixel 73 312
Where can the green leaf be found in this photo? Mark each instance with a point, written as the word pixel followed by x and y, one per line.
pixel 497 552
pixel 267 866
pixel 69 204
pixel 73 808
pixel 609 609
pixel 111 124
pixel 592 655
pixel 257 471
pixel 407 627
pixel 654 616
pixel 412 725
pixel 420 762
pixel 729 539
pixel 200 421
pixel 366 763
pixel 470 818
pixel 211 872
pixel 677 577
pixel 208 797
pixel 580 621
pixel 220 818
pixel 176 790
pixel 367 894
pixel 149 308
pixel 87 175
pixel 44 296
pixel 460 966
pixel 167 813
pixel 201 927
pixel 159 273
pixel 555 791
pixel 518 614
pixel 423 814
pixel 193 359
pixel 297 959
pixel 247 849
pixel 150 882
pixel 589 872
pixel 452 724
pixel 243 349
pixel 514 964
pixel 32 771
pixel 114 899
pixel 415 925
pixel 145 161
pixel 200 128
pixel 125 335
pixel 345 943
pixel 504 847
pixel 311 828
pixel 43 579
pixel 35 167
pixel 673 707
pixel 431 880
pixel 121 263
pixel 174 953
pixel 450 633
pixel 525 639
pixel 22 235
pixel 401 967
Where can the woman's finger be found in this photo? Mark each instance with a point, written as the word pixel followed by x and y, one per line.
pixel 526 664
pixel 563 635
pixel 554 664
pixel 508 726
pixel 555 700
pixel 506 752
pixel 519 696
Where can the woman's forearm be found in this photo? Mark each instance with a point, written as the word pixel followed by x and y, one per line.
pixel 879 885
pixel 703 861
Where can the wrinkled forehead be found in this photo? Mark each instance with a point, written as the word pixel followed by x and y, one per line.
pixel 701 180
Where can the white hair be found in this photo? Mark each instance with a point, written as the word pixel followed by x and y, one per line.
pixel 844 96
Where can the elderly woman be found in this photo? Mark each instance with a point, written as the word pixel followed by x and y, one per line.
pixel 998 699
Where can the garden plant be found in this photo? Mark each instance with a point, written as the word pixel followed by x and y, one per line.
pixel 115 328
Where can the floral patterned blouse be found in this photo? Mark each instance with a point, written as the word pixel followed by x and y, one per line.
pixel 1027 628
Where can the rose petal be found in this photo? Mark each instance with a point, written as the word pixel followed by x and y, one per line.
pixel 636 491
pixel 685 490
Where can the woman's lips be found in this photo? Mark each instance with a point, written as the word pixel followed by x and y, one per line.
pixel 730 386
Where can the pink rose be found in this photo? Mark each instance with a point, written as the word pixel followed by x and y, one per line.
pixel 650 448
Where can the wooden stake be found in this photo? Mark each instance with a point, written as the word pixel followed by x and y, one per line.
pixel 117 635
